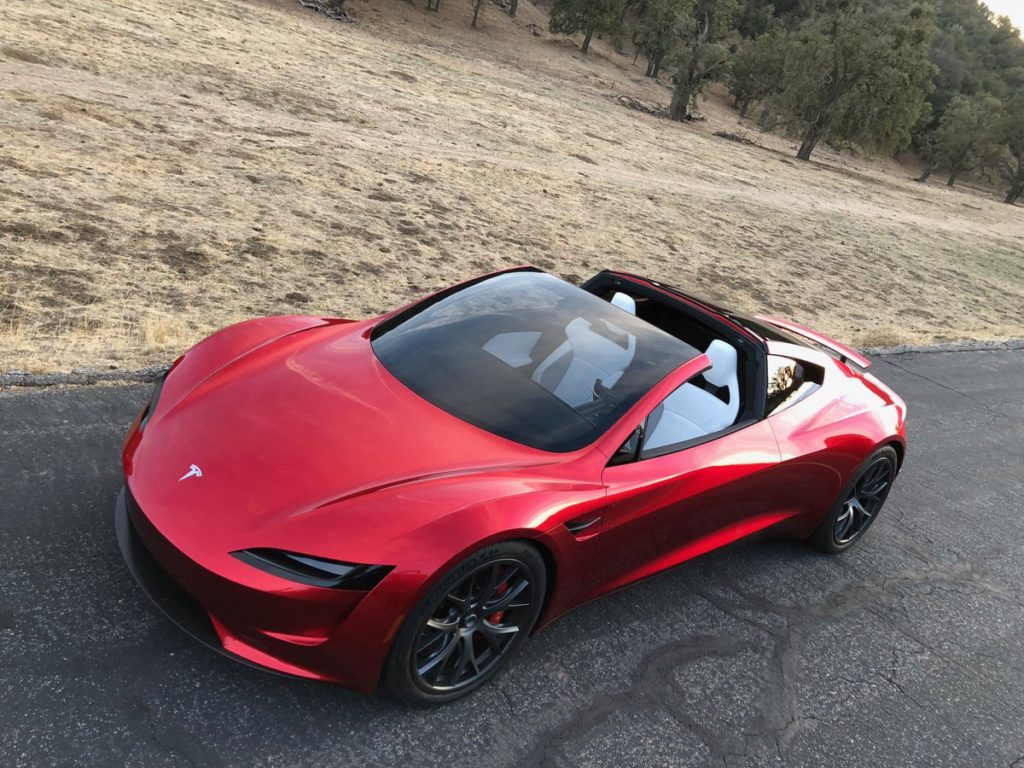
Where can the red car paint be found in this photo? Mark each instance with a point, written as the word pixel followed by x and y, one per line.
pixel 842 350
pixel 308 444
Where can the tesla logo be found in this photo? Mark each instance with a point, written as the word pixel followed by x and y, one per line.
pixel 193 471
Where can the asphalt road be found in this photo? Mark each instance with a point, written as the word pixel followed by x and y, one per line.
pixel 908 650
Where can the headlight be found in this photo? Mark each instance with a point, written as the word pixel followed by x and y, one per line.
pixel 314 571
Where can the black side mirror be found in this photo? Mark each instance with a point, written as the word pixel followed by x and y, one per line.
pixel 630 450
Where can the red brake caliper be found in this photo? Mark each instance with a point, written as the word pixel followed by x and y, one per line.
pixel 496 617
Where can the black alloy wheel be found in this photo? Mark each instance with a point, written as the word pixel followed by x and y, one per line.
pixel 859 504
pixel 863 503
pixel 474 624
pixel 469 625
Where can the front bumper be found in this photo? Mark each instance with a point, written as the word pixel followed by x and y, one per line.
pixel 172 581
pixel 165 593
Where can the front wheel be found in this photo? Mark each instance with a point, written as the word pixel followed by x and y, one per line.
pixel 468 626
pixel 859 503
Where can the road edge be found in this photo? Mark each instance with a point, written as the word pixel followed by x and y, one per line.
pixel 87 376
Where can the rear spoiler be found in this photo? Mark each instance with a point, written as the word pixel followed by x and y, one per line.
pixel 846 354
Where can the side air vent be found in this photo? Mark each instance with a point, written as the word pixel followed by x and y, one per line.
pixel 584 526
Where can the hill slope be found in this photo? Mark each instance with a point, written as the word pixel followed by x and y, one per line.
pixel 166 168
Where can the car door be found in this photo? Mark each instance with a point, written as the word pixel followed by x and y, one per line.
pixel 682 499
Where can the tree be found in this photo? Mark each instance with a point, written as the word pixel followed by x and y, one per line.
pixel 754 73
pixel 754 18
pixel 700 58
pixel 922 141
pixel 587 16
pixel 476 11
pixel 856 76
pixel 1012 165
pixel 968 135
pixel 655 30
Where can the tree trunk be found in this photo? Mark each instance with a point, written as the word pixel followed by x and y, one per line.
pixel 657 68
pixel 636 55
pixel 513 6
pixel 680 101
pixel 688 83
pixel 809 143
pixel 956 167
pixel 1015 191
pixel 586 41
pixel 650 68
pixel 476 11
pixel 743 106
pixel 927 173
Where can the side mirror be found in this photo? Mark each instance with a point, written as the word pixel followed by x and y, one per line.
pixel 629 450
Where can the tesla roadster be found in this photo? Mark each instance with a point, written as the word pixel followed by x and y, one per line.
pixel 405 499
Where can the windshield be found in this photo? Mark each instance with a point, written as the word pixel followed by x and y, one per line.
pixel 529 357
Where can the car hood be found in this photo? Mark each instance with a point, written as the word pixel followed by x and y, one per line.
pixel 243 445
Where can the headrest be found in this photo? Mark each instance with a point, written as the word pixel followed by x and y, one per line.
pixel 624 302
pixel 723 364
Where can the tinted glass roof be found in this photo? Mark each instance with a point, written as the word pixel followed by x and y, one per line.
pixel 528 357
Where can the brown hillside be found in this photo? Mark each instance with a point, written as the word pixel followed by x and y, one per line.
pixel 167 168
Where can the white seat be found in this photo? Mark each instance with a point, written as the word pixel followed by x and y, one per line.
pixel 691 412
pixel 625 302
pixel 586 357
pixel 513 348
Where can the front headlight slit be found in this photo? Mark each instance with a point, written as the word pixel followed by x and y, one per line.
pixel 314 571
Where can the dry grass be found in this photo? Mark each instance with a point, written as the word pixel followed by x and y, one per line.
pixel 167 168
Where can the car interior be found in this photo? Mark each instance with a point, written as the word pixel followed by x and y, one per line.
pixel 708 404
pixel 595 355
pixel 703 406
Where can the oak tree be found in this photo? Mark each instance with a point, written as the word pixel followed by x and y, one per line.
pixel 700 56
pixel 587 16
pixel 856 76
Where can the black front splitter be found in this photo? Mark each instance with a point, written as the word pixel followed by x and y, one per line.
pixel 165 593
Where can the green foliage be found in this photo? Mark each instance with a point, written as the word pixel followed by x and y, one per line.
pixel 587 16
pixel 655 29
pixel 754 18
pixel 974 52
pixel 700 57
pixel 756 69
pixel 1012 162
pixel 975 56
pixel 879 75
pixel 969 134
pixel 856 76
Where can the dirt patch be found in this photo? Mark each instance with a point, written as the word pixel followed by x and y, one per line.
pixel 356 231
pixel 384 196
pixel 21 230
pixel 20 54
pixel 187 260
pixel 403 76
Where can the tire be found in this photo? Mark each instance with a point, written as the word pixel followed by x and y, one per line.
pixel 468 625
pixel 855 509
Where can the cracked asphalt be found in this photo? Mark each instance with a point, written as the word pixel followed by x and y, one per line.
pixel 907 650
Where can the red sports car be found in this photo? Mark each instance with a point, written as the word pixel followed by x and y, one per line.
pixel 409 497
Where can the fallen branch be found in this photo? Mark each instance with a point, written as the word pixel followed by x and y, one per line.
pixel 330 8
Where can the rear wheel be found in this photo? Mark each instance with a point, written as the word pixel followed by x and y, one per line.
pixel 859 504
pixel 468 626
